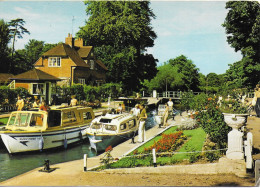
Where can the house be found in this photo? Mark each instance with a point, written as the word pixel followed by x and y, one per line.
pixel 37 82
pixel 4 78
pixel 73 63
pixel 65 64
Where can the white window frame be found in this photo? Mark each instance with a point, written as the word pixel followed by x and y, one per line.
pixel 54 61
pixel 82 81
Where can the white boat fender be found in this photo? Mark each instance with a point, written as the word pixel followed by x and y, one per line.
pixel 41 143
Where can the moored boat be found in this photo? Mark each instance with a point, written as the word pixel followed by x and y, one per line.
pixel 111 129
pixel 39 130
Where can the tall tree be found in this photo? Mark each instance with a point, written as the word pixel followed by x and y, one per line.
pixel 121 32
pixel 242 26
pixel 188 69
pixel 4 50
pixel 33 50
pixel 17 29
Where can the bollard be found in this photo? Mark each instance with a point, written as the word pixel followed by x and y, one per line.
pixel 85 162
pixel 154 158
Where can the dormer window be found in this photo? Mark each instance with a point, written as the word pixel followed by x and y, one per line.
pixel 92 64
pixel 54 61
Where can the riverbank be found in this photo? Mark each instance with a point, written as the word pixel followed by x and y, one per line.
pixel 72 174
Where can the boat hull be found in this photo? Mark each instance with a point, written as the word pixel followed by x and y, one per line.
pixel 101 142
pixel 35 141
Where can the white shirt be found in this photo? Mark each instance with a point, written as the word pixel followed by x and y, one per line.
pixel 136 111
pixel 170 104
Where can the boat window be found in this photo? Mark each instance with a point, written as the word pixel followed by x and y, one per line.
pixel 87 115
pixel 131 123
pixel 54 118
pixel 123 126
pixel 110 127
pixel 36 120
pixel 104 120
pixel 69 117
pixel 96 126
pixel 12 120
pixel 22 119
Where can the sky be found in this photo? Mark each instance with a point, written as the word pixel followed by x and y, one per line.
pixel 190 28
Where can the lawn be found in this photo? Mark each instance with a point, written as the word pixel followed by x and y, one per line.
pixel 194 142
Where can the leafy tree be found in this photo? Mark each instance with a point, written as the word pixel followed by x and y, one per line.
pixel 242 26
pixel 189 71
pixel 4 50
pixel 17 29
pixel 121 32
pixel 167 77
pixel 33 50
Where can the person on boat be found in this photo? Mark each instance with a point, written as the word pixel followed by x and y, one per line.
pixel 20 104
pixel 136 111
pixel 73 101
pixel 44 106
pixel 36 103
pixel 142 118
pixel 165 115
pixel 119 109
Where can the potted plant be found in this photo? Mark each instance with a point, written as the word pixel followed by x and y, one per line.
pixel 235 115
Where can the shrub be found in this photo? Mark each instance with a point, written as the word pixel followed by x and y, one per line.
pixel 211 119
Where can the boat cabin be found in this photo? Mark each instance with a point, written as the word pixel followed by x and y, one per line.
pixel 56 118
pixel 114 123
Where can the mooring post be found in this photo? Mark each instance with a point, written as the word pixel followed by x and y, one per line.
pixel 154 158
pixel 85 162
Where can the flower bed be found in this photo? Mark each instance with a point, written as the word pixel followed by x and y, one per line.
pixel 166 145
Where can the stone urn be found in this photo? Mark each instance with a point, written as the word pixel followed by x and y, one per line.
pixel 235 137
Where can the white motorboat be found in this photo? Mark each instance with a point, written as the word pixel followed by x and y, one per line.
pixel 39 130
pixel 111 129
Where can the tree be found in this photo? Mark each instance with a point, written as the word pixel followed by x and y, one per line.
pixel 167 78
pixel 242 26
pixel 17 29
pixel 4 50
pixel 189 71
pixel 33 50
pixel 121 32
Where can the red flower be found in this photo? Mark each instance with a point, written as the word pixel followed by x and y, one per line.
pixel 109 148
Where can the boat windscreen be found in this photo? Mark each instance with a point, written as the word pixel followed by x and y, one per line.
pixel 54 118
pixel 104 120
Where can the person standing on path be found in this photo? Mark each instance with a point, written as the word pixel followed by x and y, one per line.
pixel 170 104
pixel 20 104
pixel 165 115
pixel 143 117
pixel 257 96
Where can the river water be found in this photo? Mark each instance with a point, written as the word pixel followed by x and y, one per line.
pixel 15 164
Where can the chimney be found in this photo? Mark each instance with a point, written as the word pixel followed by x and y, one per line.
pixel 79 42
pixel 69 40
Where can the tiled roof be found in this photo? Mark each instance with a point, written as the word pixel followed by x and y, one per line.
pixel 4 77
pixel 84 51
pixel 101 64
pixel 34 74
pixel 66 51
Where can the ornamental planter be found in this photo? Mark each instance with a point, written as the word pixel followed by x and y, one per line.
pixel 235 140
